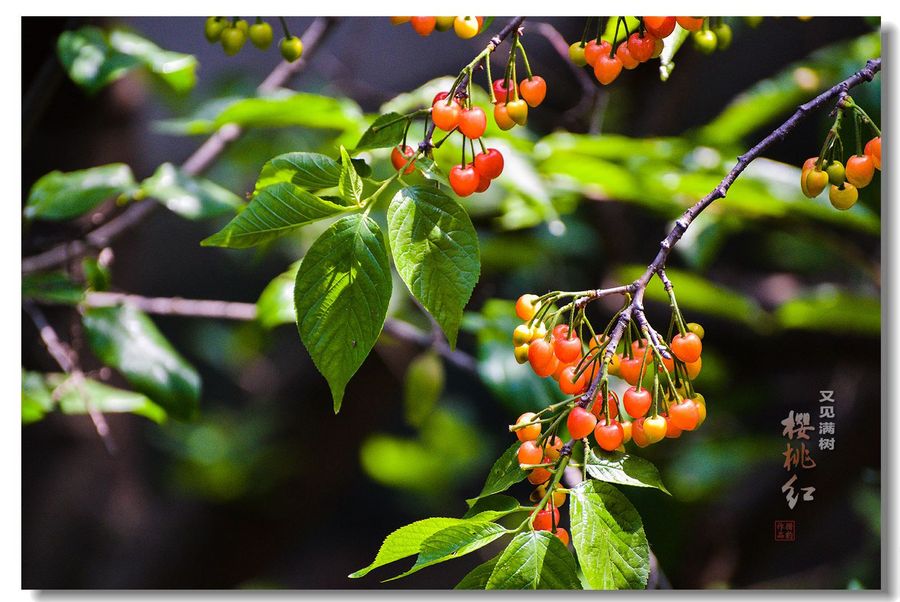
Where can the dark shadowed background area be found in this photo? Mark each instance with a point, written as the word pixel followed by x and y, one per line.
pixel 270 489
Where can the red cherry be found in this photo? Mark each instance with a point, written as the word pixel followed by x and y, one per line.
pixel 483 183
pixel 609 435
pixel 624 56
pixel 545 519
pixel 672 431
pixel 594 49
pixel 540 355
pixel 529 453
pixel 641 48
pixel 533 90
pixel 439 96
pixel 685 415
pixel 630 370
pixel 607 68
pixel 597 409
pixel 446 116
pixel 581 423
pixel 567 349
pixel 463 179
pixel 687 348
pixel 637 401
pixel 489 163
pixel 660 27
pixel 423 25
pixel 502 89
pixel 399 158
pixel 473 122
pixel 570 385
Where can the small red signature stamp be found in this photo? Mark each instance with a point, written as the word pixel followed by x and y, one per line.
pixel 785 530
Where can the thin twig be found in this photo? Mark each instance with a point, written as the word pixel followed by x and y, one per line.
pixel 194 165
pixel 232 310
pixel 635 307
pixel 67 359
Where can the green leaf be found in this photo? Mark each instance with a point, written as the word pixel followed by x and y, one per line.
pixel 621 468
pixel 436 253
pixel 273 212
pixel 478 577
pixel 176 69
pixel 42 392
pixel 313 171
pixel 94 61
pixel 504 474
pixel 609 537
pixel 453 542
pixel 380 135
pixel 341 296
pixel 61 196
pixel 492 507
pixel 74 397
pixel 126 339
pixel 534 560
pixel 423 386
pixel 89 59
pixel 276 111
pixel 51 287
pixel 406 541
pixel 190 197
pixel 275 305
pixel 97 274
pixel 350 185
pixel 37 400
pixel 834 311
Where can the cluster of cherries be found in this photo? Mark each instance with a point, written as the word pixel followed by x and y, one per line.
pixel 608 59
pixel 844 181
pixel 532 452
pixel 233 33
pixel 465 27
pixel 511 102
pixel 561 354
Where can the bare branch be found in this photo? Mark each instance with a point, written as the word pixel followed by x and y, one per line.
pixel 194 165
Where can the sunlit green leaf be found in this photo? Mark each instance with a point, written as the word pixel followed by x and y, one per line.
pixel 275 211
pixel 504 474
pixel 386 131
pixel 312 171
pixel 61 196
pixel 275 305
pixel 178 70
pixel 478 577
pixel 624 469
pixel 609 537
pixel 51 287
pixel 89 59
pixel 74 397
pixel 436 253
pixel 350 185
pixel 492 507
pixel 341 295
pixel 534 560
pixel 188 196
pixel 453 542
pixel 126 339
pixel 832 311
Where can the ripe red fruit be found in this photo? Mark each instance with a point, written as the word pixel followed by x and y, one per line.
pixel 672 431
pixel 637 401
pixel 472 122
pixel 502 117
pixel 489 163
pixel 400 157
pixel 685 415
pixel 630 370
pixel 873 149
pixel 597 408
pixel 463 179
pixel 581 423
pixel 502 89
pixel 540 475
pixel 593 50
pixel 637 433
pixel 859 170
pixel 423 25
pixel 570 385
pixel 526 305
pixel 609 436
pixel 624 56
pixel 483 184
pixel 439 96
pixel 641 48
pixel 560 331
pixel 660 27
pixel 545 519
pixel 540 355
pixel 690 23
pixel 533 90
pixel 530 432
pixel 687 348
pixel 563 535
pixel 567 349
pixel 529 453
pixel 552 447
pixel 607 68
pixel 446 116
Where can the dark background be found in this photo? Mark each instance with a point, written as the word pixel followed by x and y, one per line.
pixel 276 496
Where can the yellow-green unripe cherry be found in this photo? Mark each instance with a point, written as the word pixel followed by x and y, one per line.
pixel 291 48
pixel 214 28
pixel 233 39
pixel 261 34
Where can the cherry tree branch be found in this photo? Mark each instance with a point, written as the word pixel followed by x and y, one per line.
pixel 231 310
pixel 635 307
pixel 197 163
